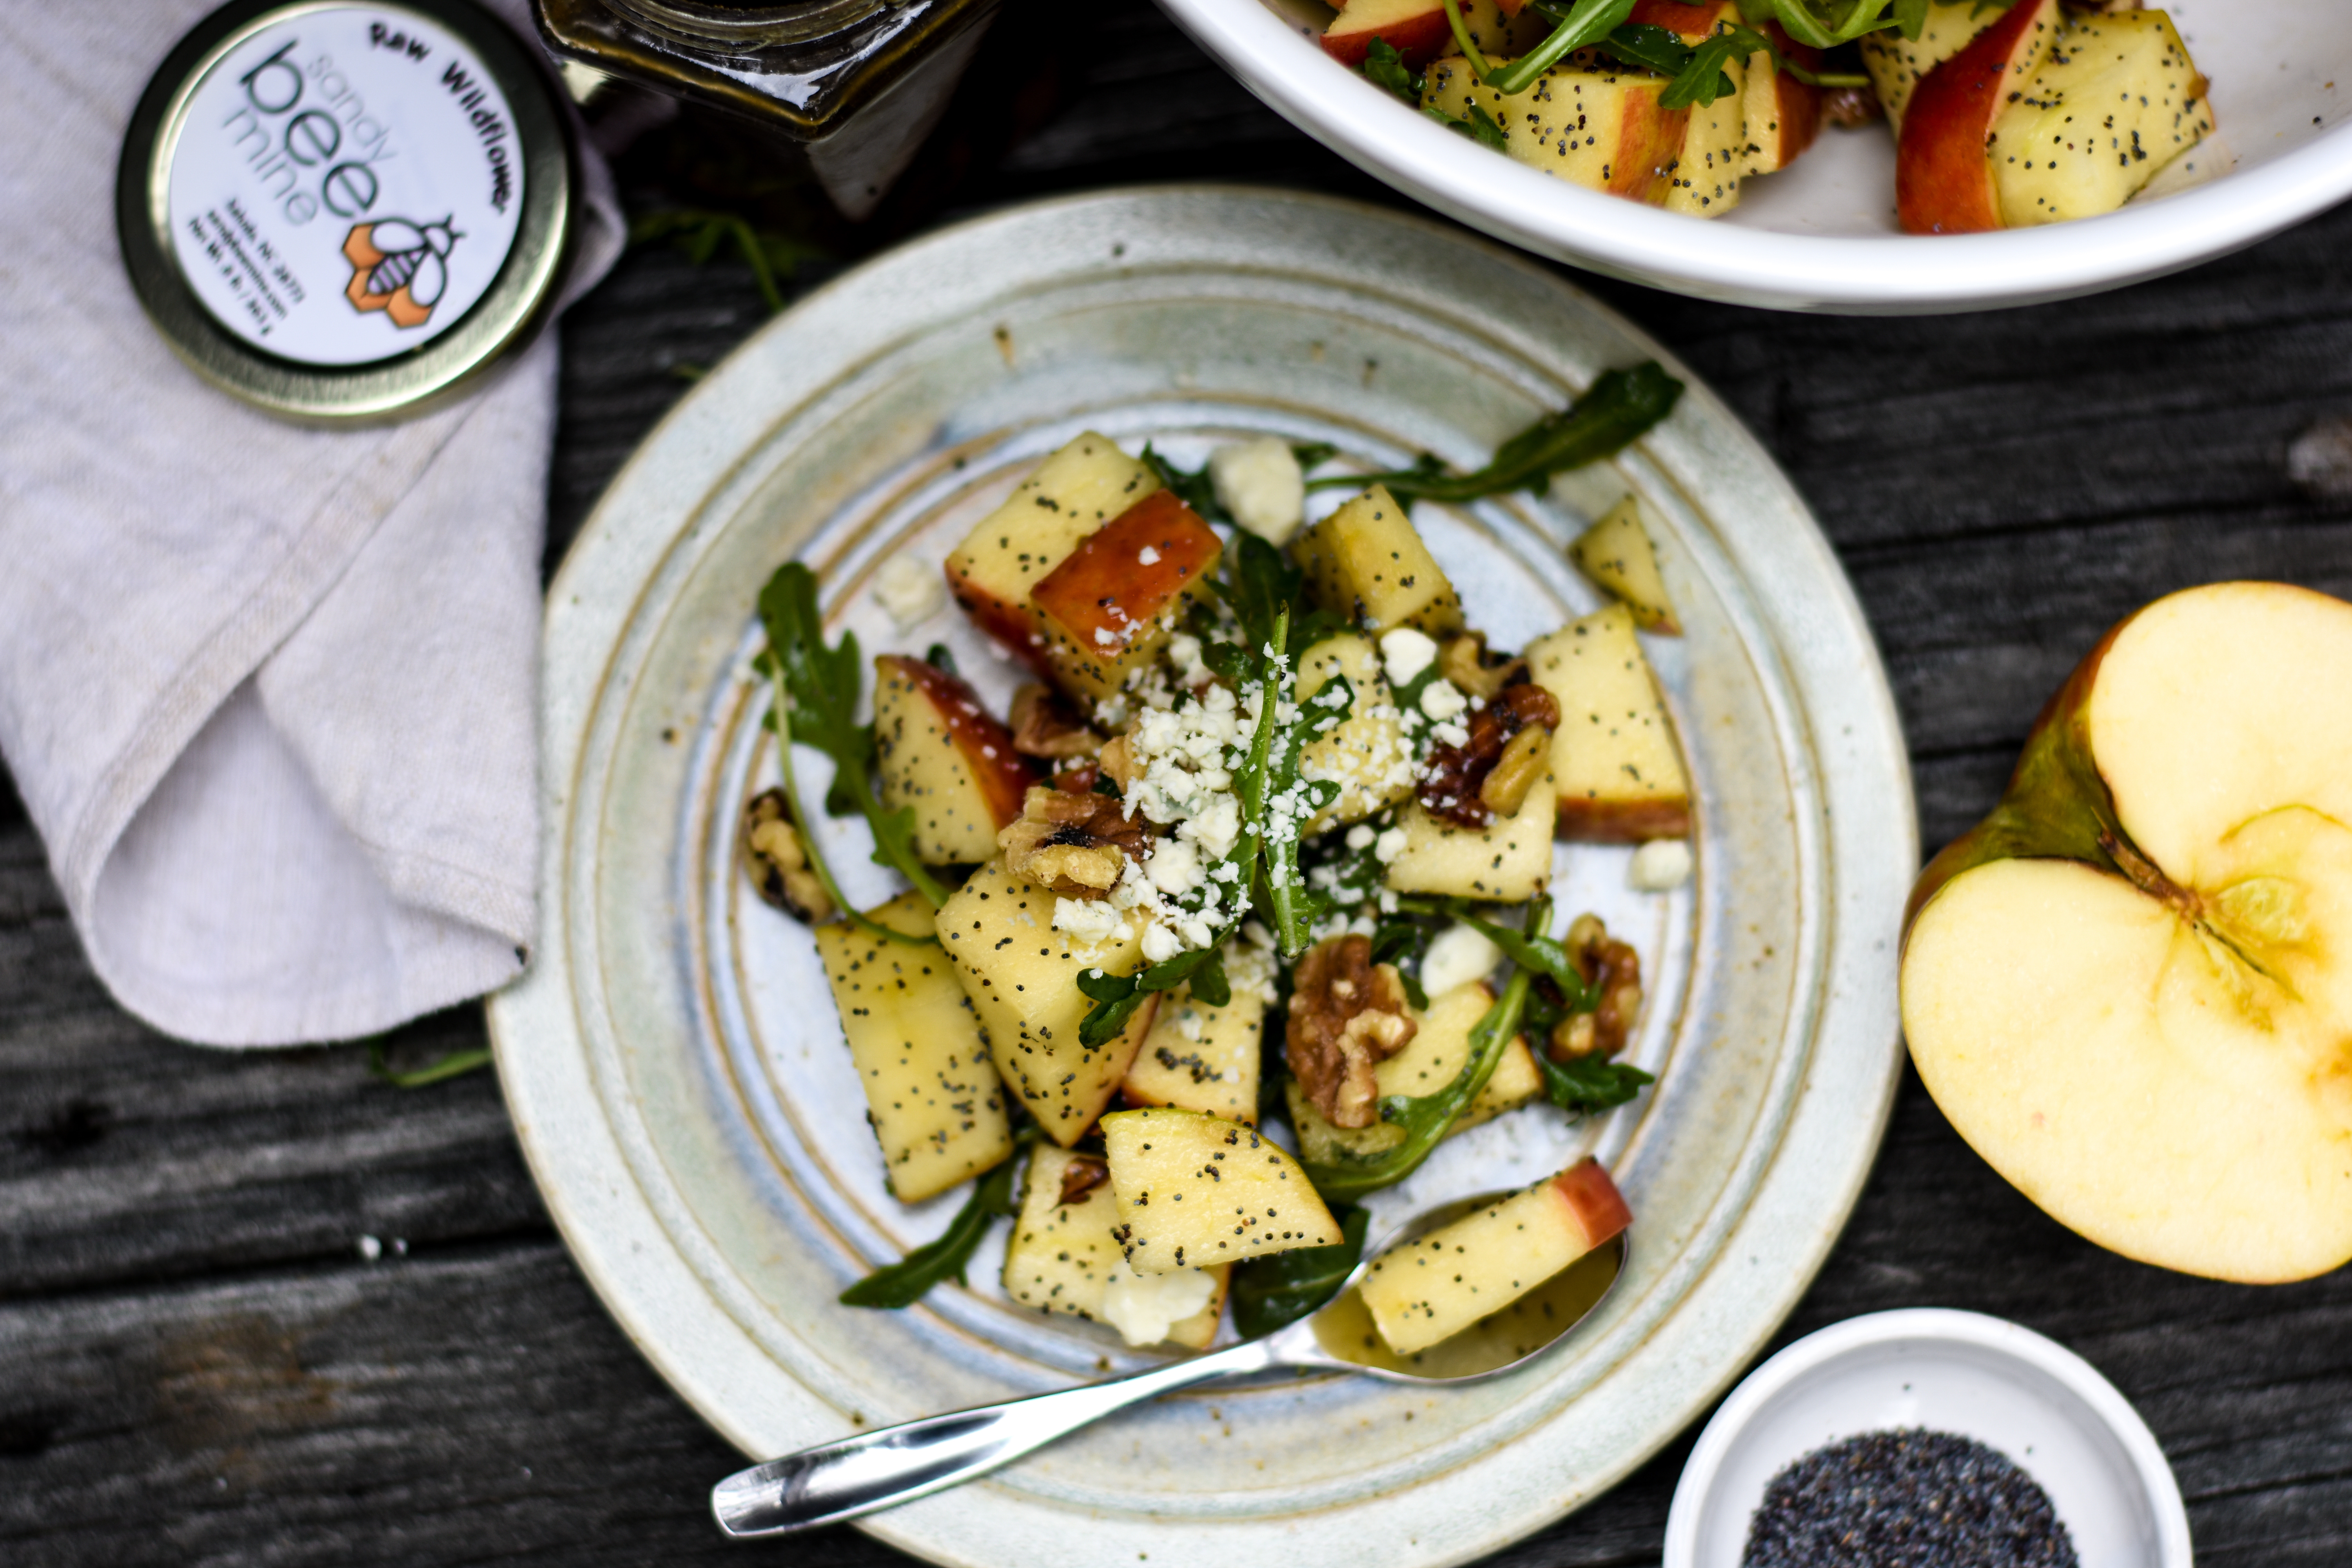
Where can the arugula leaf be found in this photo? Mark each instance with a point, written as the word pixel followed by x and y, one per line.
pixel 1261 581
pixel 1116 996
pixel 450 1064
pixel 1642 44
pixel 1427 1119
pixel 1618 409
pixel 1587 1086
pixel 1825 24
pixel 1479 127
pixel 1587 23
pixel 903 1283
pixel 1310 453
pixel 1281 1288
pixel 816 694
pixel 1703 80
pixel 1405 943
pixel 1383 67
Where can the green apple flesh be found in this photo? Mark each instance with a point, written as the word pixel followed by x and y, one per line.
pixel 2130 988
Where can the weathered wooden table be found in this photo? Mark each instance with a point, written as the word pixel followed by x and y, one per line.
pixel 267 1310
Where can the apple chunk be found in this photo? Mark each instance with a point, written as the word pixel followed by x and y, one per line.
pixel 1896 63
pixel 1783 114
pixel 1111 604
pixel 943 754
pixel 1616 554
pixel 1062 1257
pixel 1366 562
pixel 1620 780
pixel 1022 976
pixel 1008 552
pixel 1589 122
pixel 1196 1190
pixel 2129 987
pixel 2117 99
pixel 1200 1058
pixel 934 1100
pixel 1432 1289
pixel 1943 175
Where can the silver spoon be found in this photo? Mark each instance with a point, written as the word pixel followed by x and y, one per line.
pixel 879 1470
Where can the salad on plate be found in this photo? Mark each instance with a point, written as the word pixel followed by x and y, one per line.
pixel 1240 908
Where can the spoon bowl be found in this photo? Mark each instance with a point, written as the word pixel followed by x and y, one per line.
pixel 875 1470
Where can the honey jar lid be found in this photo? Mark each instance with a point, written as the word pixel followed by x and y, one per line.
pixel 345 212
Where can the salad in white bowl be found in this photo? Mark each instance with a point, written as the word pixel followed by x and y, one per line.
pixel 1833 138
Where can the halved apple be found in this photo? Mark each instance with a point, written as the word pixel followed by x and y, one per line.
pixel 2130 988
pixel 1109 605
pixel 939 751
pixel 1943 173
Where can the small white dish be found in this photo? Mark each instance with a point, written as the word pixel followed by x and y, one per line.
pixel 1821 236
pixel 2038 1403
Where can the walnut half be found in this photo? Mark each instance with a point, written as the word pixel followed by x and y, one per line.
pixel 1615 968
pixel 1347 1014
pixel 778 861
pixel 1077 845
pixel 1489 775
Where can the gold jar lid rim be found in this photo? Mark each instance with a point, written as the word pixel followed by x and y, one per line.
pixel 342 213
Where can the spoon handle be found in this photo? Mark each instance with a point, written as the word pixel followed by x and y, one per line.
pixel 879 1470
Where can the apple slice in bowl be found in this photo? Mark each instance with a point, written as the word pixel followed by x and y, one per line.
pixel 2130 987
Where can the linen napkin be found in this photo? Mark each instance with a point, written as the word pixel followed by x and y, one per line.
pixel 267 692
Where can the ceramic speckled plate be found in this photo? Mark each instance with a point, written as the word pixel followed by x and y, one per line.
pixel 673 1061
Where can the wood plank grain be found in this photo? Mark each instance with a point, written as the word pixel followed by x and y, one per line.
pixel 195 1366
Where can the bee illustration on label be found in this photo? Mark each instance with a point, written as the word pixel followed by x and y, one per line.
pixel 399 267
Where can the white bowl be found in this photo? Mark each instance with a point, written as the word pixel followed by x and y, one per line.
pixel 1821 236
pixel 2041 1405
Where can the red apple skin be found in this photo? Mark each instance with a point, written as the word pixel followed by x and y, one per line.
pixel 1622 821
pixel 1417 30
pixel 1943 173
pixel 1003 774
pixel 1800 102
pixel 1594 1200
pixel 1103 586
